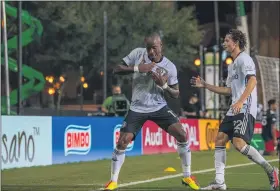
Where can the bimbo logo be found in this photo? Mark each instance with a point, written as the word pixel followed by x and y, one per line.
pixel 116 137
pixel 77 140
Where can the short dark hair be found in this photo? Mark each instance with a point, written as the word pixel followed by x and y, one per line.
pixel 238 37
pixel 270 102
pixel 152 35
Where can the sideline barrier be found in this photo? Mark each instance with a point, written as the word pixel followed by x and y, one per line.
pixel 26 141
pixel 208 130
pixel 78 139
pixel 34 141
pixel 156 140
pixel 257 140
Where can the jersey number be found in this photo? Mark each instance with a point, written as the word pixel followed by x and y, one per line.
pixel 237 126
pixel 264 121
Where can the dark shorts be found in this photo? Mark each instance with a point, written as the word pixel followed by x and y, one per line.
pixel 134 121
pixel 241 125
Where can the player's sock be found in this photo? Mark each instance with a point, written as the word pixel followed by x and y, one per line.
pixel 220 163
pixel 117 162
pixel 184 152
pixel 256 157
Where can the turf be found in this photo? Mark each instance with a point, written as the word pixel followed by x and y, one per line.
pixel 93 175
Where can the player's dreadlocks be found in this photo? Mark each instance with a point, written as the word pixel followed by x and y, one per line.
pixel 238 37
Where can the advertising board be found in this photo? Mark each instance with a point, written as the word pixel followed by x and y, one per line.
pixel 88 138
pixel 26 141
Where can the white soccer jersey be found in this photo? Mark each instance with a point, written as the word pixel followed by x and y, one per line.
pixel 242 67
pixel 146 95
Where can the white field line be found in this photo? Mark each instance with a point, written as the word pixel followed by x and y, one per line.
pixel 179 175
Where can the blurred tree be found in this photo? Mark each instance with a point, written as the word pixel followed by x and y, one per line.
pixel 73 31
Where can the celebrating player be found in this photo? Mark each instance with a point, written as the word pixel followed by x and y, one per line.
pixel 153 76
pixel 238 125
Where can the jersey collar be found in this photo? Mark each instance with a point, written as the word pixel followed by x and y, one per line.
pixel 237 55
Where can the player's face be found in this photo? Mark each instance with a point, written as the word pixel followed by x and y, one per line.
pixel 194 99
pixel 228 44
pixel 154 49
pixel 274 106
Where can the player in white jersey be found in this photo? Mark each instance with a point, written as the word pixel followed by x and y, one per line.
pixel 238 125
pixel 153 76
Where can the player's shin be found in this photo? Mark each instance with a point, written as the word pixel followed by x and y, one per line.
pixel 184 152
pixel 220 163
pixel 118 158
pixel 256 157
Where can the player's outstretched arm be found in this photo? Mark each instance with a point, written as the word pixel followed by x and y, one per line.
pixel 198 82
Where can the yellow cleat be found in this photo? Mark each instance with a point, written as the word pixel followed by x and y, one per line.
pixel 111 186
pixel 190 182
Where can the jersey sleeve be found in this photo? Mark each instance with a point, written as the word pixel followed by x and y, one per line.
pixel 248 68
pixel 131 57
pixel 172 78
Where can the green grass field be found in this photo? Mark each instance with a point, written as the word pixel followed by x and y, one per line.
pixel 93 175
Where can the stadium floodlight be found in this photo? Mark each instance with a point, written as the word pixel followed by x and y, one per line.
pixel 228 60
pixel 51 91
pixel 197 62
pixel 61 79
pixel 85 85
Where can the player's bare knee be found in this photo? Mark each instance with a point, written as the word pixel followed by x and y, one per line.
pixel 220 142
pixel 181 137
pixel 238 143
pixel 121 145
pixel 177 131
pixel 124 140
pixel 221 139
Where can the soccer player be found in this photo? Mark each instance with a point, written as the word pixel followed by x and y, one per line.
pixel 153 76
pixel 269 134
pixel 238 125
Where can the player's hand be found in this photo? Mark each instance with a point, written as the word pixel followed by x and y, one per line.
pixel 197 82
pixel 159 79
pixel 144 68
pixel 236 108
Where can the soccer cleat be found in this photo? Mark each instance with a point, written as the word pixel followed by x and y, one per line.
pixel 274 179
pixel 110 186
pixel 190 182
pixel 215 186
